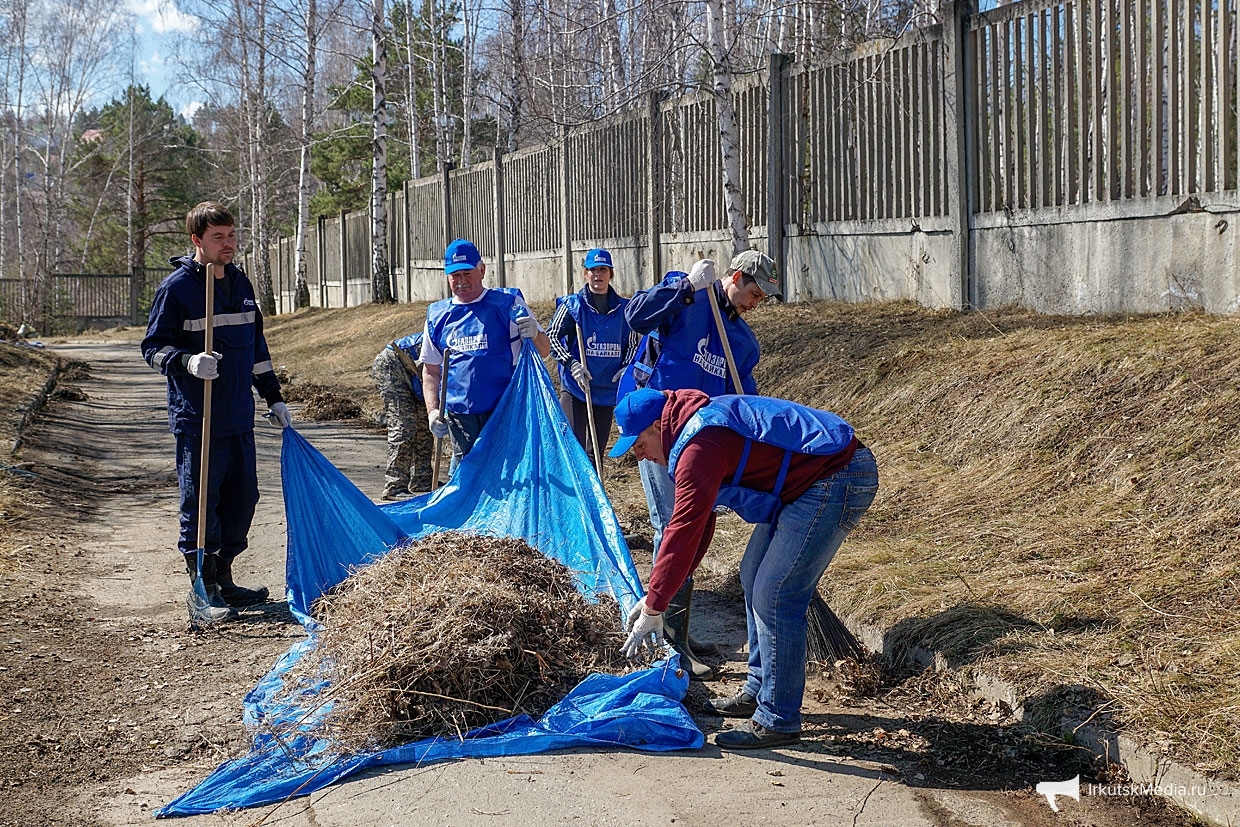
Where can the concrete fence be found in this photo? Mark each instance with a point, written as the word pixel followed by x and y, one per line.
pixel 1069 157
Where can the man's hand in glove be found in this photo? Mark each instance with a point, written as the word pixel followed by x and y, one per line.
pixel 702 273
pixel 619 374
pixel 204 365
pixel 579 372
pixel 527 327
pixel 439 428
pixel 644 630
pixel 279 415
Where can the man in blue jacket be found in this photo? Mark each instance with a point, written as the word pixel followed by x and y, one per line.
pixel 683 349
pixel 801 476
pixel 597 311
pixel 398 376
pixel 175 346
pixel 483 329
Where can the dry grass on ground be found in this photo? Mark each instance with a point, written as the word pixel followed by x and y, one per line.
pixel 1056 502
pixel 23 371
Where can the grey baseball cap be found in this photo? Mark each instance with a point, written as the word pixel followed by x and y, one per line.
pixel 760 266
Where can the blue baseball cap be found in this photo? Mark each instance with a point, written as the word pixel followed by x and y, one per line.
pixel 598 257
pixel 636 412
pixel 460 255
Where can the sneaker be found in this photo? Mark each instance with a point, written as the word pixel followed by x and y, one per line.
pixel 752 735
pixel 740 705
pixel 203 612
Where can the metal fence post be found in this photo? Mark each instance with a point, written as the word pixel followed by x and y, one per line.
pixel 501 267
pixel 776 179
pixel 321 259
pixel 566 228
pixel 134 291
pixel 344 259
pixel 959 171
pixel 408 243
pixel 654 185
pixel 446 195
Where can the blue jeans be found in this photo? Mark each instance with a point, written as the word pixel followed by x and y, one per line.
pixel 780 571
pixel 660 497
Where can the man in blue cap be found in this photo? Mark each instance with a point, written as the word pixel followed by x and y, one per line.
pixel 484 329
pixel 597 311
pixel 684 348
pixel 764 459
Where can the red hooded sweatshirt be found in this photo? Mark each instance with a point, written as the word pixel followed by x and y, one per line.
pixel 709 458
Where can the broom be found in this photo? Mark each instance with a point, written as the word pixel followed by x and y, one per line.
pixel 827 639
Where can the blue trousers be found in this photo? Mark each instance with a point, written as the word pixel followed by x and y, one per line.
pixel 780 571
pixel 232 492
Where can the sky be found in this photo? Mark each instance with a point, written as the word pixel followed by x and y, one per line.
pixel 160 25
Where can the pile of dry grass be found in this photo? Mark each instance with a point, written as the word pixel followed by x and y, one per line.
pixel 450 633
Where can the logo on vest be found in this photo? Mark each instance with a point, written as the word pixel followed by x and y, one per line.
pixel 460 344
pixel 603 350
pixel 709 362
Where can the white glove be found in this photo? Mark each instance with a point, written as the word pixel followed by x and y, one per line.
pixel 619 374
pixel 279 415
pixel 579 372
pixel 644 630
pixel 527 327
pixel 204 365
pixel 439 428
pixel 702 273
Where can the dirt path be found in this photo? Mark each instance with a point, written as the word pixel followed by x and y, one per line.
pixel 111 707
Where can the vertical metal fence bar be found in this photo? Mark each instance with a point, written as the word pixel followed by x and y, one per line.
pixel 1124 100
pixel 1059 73
pixel 1226 68
pixel 1188 118
pixel 1206 97
pixel 1143 71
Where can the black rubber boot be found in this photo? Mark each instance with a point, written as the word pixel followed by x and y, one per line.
pixel 676 631
pixel 234 595
pixel 206 606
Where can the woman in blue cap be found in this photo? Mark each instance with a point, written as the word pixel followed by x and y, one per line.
pixel 802 476
pixel 597 312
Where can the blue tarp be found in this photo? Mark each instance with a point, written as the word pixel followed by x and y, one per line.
pixel 526 477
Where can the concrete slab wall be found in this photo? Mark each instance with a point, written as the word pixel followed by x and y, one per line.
pixel 1167 255
pixel 1148 256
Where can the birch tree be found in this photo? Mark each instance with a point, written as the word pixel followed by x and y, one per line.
pixel 301 292
pixel 380 281
pixel 725 110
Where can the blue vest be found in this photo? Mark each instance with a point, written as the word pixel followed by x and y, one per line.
pixel 412 346
pixel 479 336
pixel 692 352
pixel 605 336
pixel 797 429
